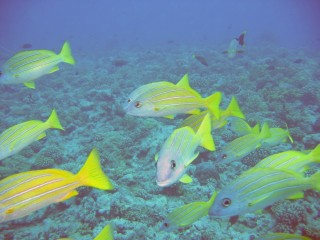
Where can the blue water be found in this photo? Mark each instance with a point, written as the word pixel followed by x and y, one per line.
pixel 275 79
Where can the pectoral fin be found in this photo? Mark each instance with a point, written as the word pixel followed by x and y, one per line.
pixel 68 195
pixel 30 84
pixel 54 69
pixel 185 179
pixel 42 135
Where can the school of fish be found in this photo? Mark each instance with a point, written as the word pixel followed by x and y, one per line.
pixel 277 177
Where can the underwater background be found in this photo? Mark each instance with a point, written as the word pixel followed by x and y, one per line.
pixel 121 45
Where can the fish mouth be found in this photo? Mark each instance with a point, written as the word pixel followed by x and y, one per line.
pixel 164 183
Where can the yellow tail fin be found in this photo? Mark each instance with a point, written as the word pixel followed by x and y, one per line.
pixel 53 121
pixel 213 104
pixel 92 175
pixel 204 132
pixel 265 132
pixel 66 54
pixel 315 153
pixel 315 181
pixel 233 110
pixel 105 234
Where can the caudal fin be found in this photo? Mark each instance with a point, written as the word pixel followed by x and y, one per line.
pixel 66 54
pixel 53 121
pixel 213 104
pixel 233 110
pixel 315 181
pixel 265 132
pixel 105 234
pixel 204 132
pixel 315 154
pixel 92 175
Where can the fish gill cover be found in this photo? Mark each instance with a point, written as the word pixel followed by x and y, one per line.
pixel 119 46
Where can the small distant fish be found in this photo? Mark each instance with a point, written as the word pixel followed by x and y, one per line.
pixel 201 59
pixel 242 146
pixel 233 110
pixel 23 193
pixel 165 99
pixel 232 50
pixel 298 60
pixel 291 160
pixel 178 152
pixel 27 66
pixel 258 188
pixel 277 136
pixel 187 214
pixel 26 45
pixel 240 39
pixel 283 236
pixel 19 136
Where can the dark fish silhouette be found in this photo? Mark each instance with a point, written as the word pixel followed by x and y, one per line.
pixel 240 39
pixel 26 45
pixel 201 59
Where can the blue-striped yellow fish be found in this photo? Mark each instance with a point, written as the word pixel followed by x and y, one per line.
pixel 21 135
pixel 233 110
pixel 277 136
pixel 293 160
pixel 105 234
pixel 242 146
pixel 165 99
pixel 23 193
pixel 178 152
pixel 258 188
pixel 283 236
pixel 27 66
pixel 187 214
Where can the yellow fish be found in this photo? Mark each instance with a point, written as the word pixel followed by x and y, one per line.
pixel 23 193
pixel 187 214
pixel 21 135
pixel 179 151
pixel 242 146
pixel 241 127
pixel 27 66
pixel 292 160
pixel 233 110
pixel 283 236
pixel 165 99
pixel 105 234
pixel 277 136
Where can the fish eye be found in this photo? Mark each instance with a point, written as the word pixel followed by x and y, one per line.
pixel 129 100
pixel 223 156
pixel 173 164
pixel 226 202
pixel 138 104
pixel 166 224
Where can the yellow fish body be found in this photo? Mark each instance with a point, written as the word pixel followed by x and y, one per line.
pixel 292 160
pixel 21 135
pixel 23 193
pixel 27 66
pixel 165 99
pixel 283 236
pixel 187 214
pixel 277 136
pixel 258 188
pixel 242 146
pixel 241 127
pixel 178 152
